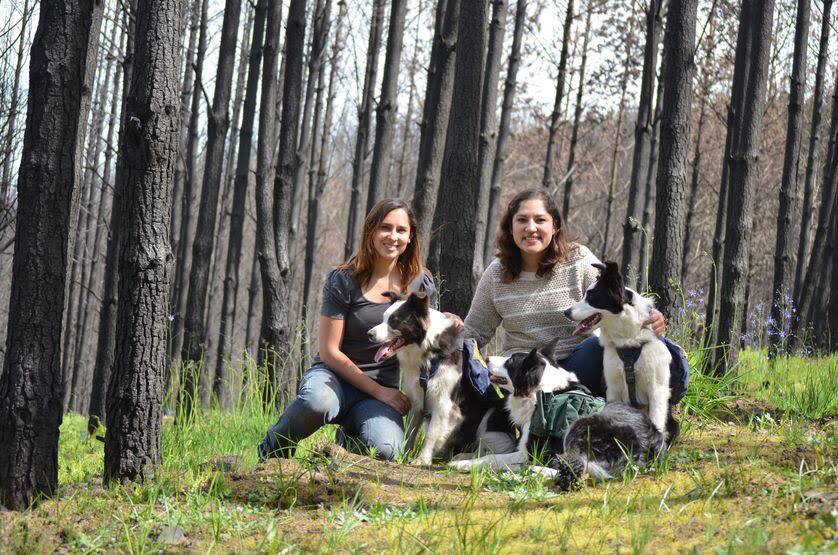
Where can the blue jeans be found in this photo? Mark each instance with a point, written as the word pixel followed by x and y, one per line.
pixel 324 398
pixel 586 362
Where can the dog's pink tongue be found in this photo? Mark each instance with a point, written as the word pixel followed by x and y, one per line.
pixel 580 327
pixel 383 352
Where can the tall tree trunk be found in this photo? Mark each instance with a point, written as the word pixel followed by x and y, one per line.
pixel 319 34
pixel 106 341
pixel 679 67
pixel 735 109
pixel 385 113
pixel 577 113
pixel 251 333
pixel 273 226
pixel 147 156
pixel 195 333
pixel 460 170
pixel 757 18
pixel 221 386
pixel 60 79
pixel 812 156
pixel 317 179
pixel 186 89
pixel 503 130
pixel 694 182
pixel 435 116
pixel 89 238
pixel 782 284
pixel 183 258
pixel 547 180
pixel 648 222
pixel 618 139
pixel 817 271
pixel 832 327
pixel 8 143
pixel 362 137
pixel 488 128
pixel 643 132
pixel 407 143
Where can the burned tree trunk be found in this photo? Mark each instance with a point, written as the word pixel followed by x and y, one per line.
pixel 183 259
pixel 679 67
pixel 106 342
pixel 195 333
pixel 643 132
pixel 647 224
pixel 756 21
pixel 555 116
pixel 812 156
pixel 319 34
pixel 460 171
pixel 488 127
pixel 694 182
pixel 435 116
pixel 503 130
pixel 147 156
pixel 385 113
pixel 362 138
pixel 60 78
pixel 275 333
pixel 234 245
pixel 781 288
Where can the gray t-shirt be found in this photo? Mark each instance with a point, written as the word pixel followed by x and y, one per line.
pixel 343 300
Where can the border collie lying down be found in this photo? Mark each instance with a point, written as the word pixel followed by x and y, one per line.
pixel 597 445
pixel 419 335
pixel 635 362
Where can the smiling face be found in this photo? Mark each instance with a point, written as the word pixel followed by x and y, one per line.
pixel 532 227
pixel 393 235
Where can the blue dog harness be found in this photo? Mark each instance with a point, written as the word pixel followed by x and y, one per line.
pixel 629 356
pixel 679 371
pixel 475 371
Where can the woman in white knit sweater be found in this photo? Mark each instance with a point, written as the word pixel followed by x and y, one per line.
pixel 537 274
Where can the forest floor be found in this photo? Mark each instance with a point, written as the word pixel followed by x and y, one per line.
pixel 754 471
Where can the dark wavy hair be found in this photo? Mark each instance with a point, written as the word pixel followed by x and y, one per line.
pixel 559 249
pixel 361 263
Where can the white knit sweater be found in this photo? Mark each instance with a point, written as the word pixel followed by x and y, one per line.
pixel 529 310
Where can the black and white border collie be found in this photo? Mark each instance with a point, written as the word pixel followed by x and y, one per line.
pixel 599 445
pixel 521 375
pixel 416 334
pixel 620 314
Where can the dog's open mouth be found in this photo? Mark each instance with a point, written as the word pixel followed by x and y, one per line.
pixel 498 380
pixel 587 324
pixel 389 349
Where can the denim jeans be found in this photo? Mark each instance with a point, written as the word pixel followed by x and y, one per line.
pixel 324 398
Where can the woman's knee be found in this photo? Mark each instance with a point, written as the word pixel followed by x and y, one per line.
pixel 384 434
pixel 320 394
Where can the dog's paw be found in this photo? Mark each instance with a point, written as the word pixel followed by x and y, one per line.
pixel 420 461
pixel 461 466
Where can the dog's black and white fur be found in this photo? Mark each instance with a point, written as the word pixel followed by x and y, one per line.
pixel 599 445
pixel 620 314
pixel 415 333
pixel 522 375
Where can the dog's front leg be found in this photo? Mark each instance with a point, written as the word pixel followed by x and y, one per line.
pixel 659 408
pixel 436 434
pixel 416 415
pixel 502 461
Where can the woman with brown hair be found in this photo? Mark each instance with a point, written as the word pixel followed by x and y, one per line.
pixel 537 274
pixel 346 385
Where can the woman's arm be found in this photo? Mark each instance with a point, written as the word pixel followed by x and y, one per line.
pixel 482 319
pixel 331 333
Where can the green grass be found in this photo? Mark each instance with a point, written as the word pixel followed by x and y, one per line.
pixel 755 471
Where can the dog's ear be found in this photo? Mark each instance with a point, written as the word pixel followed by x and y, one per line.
pixel 393 296
pixel 549 350
pixel 420 301
pixel 599 266
pixel 532 360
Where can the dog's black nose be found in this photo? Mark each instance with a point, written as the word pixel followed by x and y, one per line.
pixel 567 313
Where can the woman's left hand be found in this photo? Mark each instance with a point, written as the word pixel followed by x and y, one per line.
pixel 657 322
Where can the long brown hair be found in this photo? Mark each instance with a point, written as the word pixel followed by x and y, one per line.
pixel 508 252
pixel 362 262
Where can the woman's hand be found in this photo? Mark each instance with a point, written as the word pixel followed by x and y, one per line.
pixel 657 322
pixel 394 398
pixel 458 322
